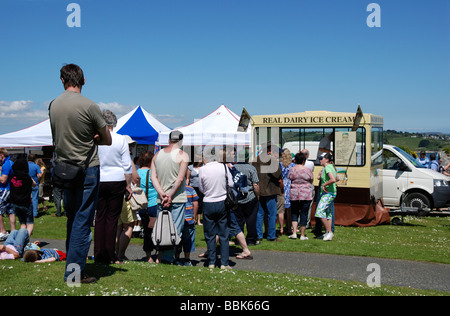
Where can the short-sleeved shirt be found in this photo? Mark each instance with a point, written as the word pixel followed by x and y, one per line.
pixel 74 121
pixel 252 177
pixel 47 253
pixel 33 171
pixel 6 170
pixel 329 168
pixel 192 196
pixel 301 188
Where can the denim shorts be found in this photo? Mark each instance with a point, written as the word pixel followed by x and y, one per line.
pixel 6 207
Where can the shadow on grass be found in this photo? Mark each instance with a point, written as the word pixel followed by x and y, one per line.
pixel 102 270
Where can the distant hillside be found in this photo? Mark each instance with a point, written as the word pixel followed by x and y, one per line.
pixel 418 141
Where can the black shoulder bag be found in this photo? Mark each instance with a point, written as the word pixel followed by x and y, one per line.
pixel 231 202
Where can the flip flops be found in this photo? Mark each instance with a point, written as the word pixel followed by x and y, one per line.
pixel 249 257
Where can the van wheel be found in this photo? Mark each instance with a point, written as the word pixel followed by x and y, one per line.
pixel 417 200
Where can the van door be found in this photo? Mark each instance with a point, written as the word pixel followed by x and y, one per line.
pixel 394 180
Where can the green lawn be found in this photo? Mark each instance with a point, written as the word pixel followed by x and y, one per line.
pixel 421 239
pixel 139 278
pixel 424 239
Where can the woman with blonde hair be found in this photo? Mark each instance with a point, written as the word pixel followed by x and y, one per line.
pixel 284 203
pixel 41 165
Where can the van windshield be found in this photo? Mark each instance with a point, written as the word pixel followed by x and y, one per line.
pixel 410 158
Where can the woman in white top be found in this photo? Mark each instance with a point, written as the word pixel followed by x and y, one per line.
pixel 212 183
pixel 115 182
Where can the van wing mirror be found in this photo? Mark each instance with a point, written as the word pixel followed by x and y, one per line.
pixel 402 166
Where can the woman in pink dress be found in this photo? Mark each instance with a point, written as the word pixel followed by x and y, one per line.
pixel 301 195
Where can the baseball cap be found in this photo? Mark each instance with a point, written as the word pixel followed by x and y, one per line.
pixel 130 140
pixel 175 136
pixel 325 155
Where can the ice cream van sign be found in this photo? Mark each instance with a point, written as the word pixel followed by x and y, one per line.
pixel 309 120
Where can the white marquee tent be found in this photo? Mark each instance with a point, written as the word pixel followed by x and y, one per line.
pixel 138 123
pixel 217 128
pixel 33 136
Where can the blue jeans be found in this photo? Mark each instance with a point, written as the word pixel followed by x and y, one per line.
pixel 215 222
pixel 177 210
pixel 35 200
pixel 18 239
pixel 267 204
pixel 80 205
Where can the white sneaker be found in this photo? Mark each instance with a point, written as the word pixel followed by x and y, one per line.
pixel 293 236
pixel 4 236
pixel 328 236
pixel 303 238
pixel 225 267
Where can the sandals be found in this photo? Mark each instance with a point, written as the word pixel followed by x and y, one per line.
pixel 248 257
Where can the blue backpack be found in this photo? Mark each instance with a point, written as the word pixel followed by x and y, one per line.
pixel 240 183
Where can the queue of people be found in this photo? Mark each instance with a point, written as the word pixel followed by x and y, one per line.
pixel 103 174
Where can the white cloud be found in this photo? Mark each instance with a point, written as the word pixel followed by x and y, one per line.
pixel 15 106
pixel 118 109
pixel 21 110
pixel 169 119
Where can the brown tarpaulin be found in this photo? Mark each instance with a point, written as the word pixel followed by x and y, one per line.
pixel 358 215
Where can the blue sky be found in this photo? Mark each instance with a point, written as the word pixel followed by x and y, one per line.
pixel 181 59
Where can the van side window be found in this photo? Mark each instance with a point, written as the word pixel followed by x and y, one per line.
pixel 390 160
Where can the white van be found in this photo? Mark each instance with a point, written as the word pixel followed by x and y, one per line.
pixel 405 178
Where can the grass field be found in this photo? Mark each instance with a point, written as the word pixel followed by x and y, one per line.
pixel 139 278
pixel 423 239
pixel 420 239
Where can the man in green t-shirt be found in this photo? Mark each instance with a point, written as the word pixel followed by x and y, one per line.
pixel 78 126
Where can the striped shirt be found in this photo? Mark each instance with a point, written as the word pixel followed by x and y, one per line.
pixel 191 198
